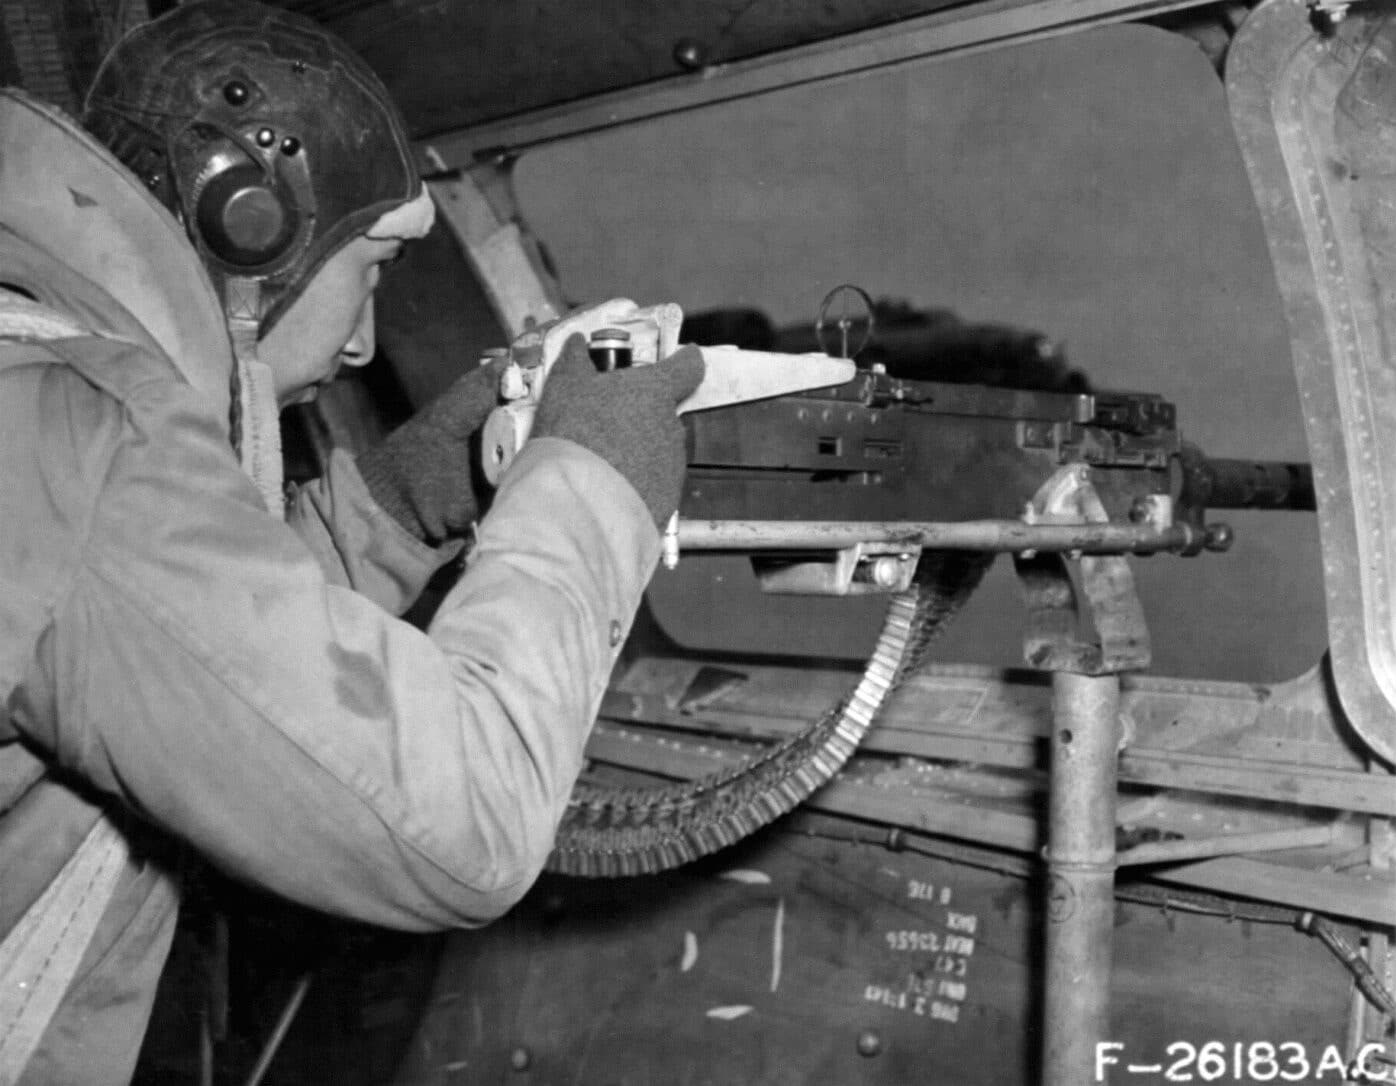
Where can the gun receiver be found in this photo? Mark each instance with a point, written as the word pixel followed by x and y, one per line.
pixel 810 454
pixel 903 465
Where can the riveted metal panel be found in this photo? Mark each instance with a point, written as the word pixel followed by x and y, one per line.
pixel 798 960
pixel 1313 114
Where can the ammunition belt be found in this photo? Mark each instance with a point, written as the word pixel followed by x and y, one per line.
pixel 609 832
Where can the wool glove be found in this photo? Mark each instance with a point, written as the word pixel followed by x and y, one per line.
pixel 422 473
pixel 627 417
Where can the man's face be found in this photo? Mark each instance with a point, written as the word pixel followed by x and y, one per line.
pixel 330 324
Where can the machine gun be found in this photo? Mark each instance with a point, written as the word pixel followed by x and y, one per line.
pixel 831 489
pixel 963 422
pixel 864 462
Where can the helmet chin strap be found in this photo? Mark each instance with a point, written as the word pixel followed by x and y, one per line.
pixel 255 417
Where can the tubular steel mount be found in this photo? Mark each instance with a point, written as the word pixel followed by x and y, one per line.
pixel 1086 648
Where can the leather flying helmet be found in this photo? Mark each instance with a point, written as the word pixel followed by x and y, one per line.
pixel 270 140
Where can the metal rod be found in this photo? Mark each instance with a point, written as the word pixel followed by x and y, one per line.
pixel 205 1048
pixel 1229 844
pixel 283 1026
pixel 1081 874
pixel 1008 536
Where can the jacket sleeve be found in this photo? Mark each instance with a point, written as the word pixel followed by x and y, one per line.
pixel 202 668
pixel 357 544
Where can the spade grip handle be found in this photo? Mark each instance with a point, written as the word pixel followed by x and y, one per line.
pixel 730 375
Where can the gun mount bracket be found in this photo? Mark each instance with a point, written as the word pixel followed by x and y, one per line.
pixel 860 570
pixel 1106 635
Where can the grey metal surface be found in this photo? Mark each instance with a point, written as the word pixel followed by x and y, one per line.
pixel 452 63
pixel 956 32
pixel 613 983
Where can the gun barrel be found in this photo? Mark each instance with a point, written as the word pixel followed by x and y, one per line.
pixel 1248 484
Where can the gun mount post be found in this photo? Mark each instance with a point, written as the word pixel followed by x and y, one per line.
pixel 1086 652
pixel 1080 874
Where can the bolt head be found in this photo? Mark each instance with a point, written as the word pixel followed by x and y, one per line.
pixel 869 1043
pixel 690 54
pixel 885 572
pixel 1219 537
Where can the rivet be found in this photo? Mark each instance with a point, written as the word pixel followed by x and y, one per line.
pixel 869 1043
pixel 235 93
pixel 520 1058
pixel 290 145
pixel 617 633
pixel 265 137
pixel 690 54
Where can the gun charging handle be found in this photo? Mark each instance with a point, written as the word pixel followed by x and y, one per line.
pixel 653 334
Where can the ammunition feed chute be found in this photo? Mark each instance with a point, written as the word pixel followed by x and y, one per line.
pixel 611 832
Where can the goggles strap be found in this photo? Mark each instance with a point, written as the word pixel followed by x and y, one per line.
pixel 254 418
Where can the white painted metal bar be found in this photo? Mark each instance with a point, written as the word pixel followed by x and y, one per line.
pixel 500 251
pixel 1227 844
pixel 976 535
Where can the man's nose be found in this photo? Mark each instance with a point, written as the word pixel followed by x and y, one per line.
pixel 361 346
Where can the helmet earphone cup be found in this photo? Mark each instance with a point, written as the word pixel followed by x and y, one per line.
pixel 244 218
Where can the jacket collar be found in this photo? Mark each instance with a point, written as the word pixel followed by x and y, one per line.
pixel 81 233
